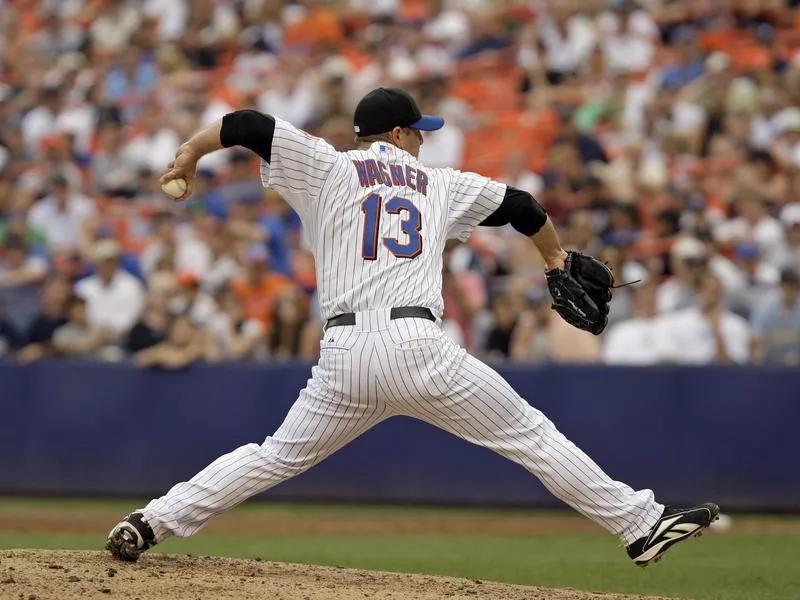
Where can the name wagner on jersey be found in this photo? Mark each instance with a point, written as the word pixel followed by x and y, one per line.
pixel 374 172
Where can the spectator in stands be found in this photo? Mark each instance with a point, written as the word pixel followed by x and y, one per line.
pixel 624 226
pixel 487 35
pixel 78 118
pixel 192 300
pixel 333 102
pixel 114 298
pixel 291 96
pixel 112 170
pixel 338 132
pixel 277 220
pixel 706 333
pixel 517 175
pixel 258 287
pixel 464 292
pixel 41 120
pixel 240 185
pixel 687 65
pixel 206 194
pixel 151 328
pixel 287 332
pixel 590 150
pixel 531 341
pixel 189 253
pixel 581 231
pixel 758 278
pixel 19 267
pixel 77 337
pixel 689 259
pixel 224 266
pixel 568 37
pixel 761 178
pixel 625 271
pixel 236 336
pixel 162 244
pixel 132 76
pixel 62 215
pixel 155 144
pixel 443 148
pixel 703 135
pixel 505 318
pixel 10 338
pixel 185 344
pixel 114 26
pixel 55 37
pixel 627 33
pixel 51 316
pixel 776 324
pixel 163 280
pixel 567 166
pixel 209 28
pixel 754 224
pixel 633 341
pixel 790 218
pixel 59 155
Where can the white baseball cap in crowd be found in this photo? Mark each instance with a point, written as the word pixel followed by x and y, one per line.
pixel 717 62
pixel 787 120
pixel 688 248
pixel 105 250
pixel 790 215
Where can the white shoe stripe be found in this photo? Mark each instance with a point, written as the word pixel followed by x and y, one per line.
pixel 666 524
pixel 669 537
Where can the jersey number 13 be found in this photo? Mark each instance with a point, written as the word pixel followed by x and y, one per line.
pixel 410 226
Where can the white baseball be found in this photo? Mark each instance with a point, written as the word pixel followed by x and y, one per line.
pixel 175 187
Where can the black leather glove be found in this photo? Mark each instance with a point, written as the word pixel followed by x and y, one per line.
pixel 582 291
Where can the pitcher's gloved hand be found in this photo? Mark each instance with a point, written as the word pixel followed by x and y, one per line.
pixel 582 291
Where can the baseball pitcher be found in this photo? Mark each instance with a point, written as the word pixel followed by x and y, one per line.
pixel 377 220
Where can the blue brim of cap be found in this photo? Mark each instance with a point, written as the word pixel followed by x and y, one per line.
pixel 428 123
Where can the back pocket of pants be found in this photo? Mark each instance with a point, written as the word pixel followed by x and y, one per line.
pixel 415 344
pixel 410 339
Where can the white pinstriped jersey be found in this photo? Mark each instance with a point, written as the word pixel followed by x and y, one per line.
pixel 376 219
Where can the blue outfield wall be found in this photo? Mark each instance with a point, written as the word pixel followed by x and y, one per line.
pixel 690 434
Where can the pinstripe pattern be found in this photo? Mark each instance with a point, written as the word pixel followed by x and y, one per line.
pixel 378 368
pixel 322 185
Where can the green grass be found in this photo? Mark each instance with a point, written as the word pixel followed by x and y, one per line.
pixel 734 566
pixel 276 509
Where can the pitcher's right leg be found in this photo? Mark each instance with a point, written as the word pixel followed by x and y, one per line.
pixel 326 416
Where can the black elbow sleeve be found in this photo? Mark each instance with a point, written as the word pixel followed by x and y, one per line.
pixel 520 210
pixel 249 129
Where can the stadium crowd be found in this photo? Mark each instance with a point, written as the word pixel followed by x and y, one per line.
pixel 661 135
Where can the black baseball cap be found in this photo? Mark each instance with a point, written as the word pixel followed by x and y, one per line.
pixel 383 109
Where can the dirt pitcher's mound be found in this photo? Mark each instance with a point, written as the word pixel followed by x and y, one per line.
pixel 68 574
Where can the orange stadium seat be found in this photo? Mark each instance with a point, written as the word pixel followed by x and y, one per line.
pixel 319 26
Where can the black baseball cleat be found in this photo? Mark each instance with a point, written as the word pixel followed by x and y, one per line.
pixel 675 525
pixel 130 537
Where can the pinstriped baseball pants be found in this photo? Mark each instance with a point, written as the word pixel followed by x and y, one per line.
pixel 379 368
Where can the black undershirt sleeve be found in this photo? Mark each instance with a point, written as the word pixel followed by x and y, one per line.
pixel 519 209
pixel 249 129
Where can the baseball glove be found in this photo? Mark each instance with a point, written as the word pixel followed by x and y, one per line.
pixel 581 292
